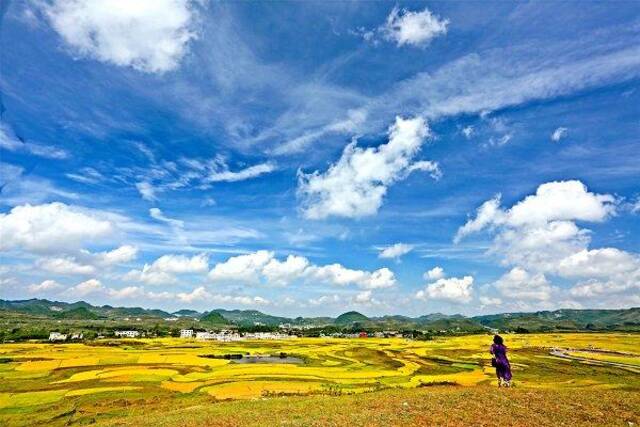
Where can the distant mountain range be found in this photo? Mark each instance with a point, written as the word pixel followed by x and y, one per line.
pixel 624 319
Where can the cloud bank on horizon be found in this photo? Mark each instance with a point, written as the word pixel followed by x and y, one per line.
pixel 389 159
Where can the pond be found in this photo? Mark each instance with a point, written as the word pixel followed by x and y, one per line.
pixel 268 359
pixel 261 358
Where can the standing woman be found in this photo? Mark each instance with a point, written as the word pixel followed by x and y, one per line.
pixel 500 361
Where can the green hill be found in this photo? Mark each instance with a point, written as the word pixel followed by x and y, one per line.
pixel 214 318
pixel 79 313
pixel 351 317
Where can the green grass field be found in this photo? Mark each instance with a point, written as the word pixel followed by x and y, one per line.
pixel 447 381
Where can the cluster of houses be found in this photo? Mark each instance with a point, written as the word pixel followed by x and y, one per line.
pixel 127 334
pixel 57 336
pixel 228 335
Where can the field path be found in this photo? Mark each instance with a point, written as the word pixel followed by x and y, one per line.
pixel 562 353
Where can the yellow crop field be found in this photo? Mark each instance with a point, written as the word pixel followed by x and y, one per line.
pixel 97 381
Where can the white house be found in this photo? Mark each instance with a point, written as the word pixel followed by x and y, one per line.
pixel 186 333
pixel 127 334
pixel 57 336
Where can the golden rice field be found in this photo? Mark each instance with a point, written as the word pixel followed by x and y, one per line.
pixel 113 381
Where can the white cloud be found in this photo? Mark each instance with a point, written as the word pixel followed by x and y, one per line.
pixel 487 214
pixel 434 274
pixel 489 301
pixel 562 200
pixel 336 274
pixel 116 256
pixel 85 288
pixel 200 294
pixel 395 251
pixel 242 267
pixel 11 142
pixel 413 28
pixel 168 175
pixel 263 267
pixel 558 134
pixel 356 185
pixel 285 272
pixel 86 176
pixel 180 264
pixel 553 201
pixel 45 286
pixel 456 290
pixel 129 292
pixel 468 131
pixel 241 175
pixel 363 297
pixel 197 294
pixel 148 35
pixel 324 300
pixel 520 284
pixel 599 263
pixel 65 266
pixel 163 270
pixel 156 213
pixel 51 227
pixel 147 191
pixel 539 236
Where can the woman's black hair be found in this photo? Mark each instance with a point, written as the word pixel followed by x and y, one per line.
pixel 497 339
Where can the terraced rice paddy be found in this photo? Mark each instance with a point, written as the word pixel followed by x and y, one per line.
pixel 93 382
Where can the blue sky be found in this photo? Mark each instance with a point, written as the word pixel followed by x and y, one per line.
pixel 307 158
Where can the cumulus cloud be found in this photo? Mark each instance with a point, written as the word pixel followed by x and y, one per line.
pixel 356 185
pixel 88 287
pixel 242 267
pixel 548 213
pixel 44 286
pixel 395 251
pixel 200 294
pixel 285 272
pixel 336 274
pixel 456 290
pixel 65 266
pixel 325 300
pixel 558 134
pixel 50 227
pixel 148 35
pixel 486 301
pixel 263 267
pixel 116 256
pixel 164 269
pixel 434 274
pixel 363 297
pixel 405 27
pixel 520 284
pixel 539 237
pixel 599 263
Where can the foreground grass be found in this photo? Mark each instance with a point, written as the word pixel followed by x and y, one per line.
pixel 438 405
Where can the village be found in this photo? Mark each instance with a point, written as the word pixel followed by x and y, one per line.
pixel 229 335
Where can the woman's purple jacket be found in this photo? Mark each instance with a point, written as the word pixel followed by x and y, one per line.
pixel 503 369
